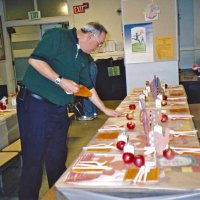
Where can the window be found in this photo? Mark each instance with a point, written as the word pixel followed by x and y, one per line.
pixel 50 8
pixel 18 9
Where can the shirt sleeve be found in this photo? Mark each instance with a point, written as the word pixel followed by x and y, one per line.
pixel 47 48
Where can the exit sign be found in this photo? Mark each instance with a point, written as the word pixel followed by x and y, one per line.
pixel 80 8
pixel 34 15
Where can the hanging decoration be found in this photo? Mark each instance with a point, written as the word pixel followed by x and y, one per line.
pixel 151 11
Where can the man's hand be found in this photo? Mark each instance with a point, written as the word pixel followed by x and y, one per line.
pixel 69 86
pixel 112 113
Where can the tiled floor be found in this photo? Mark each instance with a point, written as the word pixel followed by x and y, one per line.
pixel 80 133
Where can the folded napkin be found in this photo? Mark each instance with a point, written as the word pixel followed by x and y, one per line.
pixel 176 98
pixel 112 128
pixel 83 92
pixel 186 150
pixel 107 135
pixel 184 116
pixel 179 110
pixel 189 133
pixel 100 147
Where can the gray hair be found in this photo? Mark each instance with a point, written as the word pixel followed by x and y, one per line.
pixel 94 27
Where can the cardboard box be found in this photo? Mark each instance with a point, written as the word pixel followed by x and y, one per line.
pixel 188 75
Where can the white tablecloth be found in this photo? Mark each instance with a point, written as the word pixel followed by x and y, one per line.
pixel 178 178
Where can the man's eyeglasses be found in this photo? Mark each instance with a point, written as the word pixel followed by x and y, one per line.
pixel 99 43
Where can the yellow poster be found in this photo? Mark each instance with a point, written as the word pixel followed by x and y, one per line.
pixel 165 47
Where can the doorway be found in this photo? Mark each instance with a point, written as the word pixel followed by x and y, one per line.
pixel 23 40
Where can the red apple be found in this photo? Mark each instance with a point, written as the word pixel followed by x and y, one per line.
pixel 168 153
pixel 130 125
pixel 129 116
pixel 2 107
pixel 120 145
pixel 164 118
pixel 128 157
pixel 164 97
pixel 138 160
pixel 132 106
pixel 163 102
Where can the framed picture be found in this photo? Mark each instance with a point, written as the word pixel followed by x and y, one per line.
pixel 2 50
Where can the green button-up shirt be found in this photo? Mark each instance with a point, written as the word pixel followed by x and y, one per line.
pixel 59 49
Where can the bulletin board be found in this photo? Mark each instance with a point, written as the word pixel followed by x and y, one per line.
pixel 164 26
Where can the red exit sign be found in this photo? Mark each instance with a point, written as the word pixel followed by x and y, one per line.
pixel 80 8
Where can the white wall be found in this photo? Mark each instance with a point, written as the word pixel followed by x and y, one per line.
pixel 137 74
pixel 103 11
pixel 167 69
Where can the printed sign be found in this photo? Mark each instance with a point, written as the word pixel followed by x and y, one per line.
pixel 80 8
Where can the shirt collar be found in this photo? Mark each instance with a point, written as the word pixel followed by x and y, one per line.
pixel 75 38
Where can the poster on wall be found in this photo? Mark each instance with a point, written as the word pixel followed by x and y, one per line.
pixel 138 43
pixel 165 47
pixel 2 51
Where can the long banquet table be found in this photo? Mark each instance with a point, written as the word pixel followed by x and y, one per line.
pixel 111 178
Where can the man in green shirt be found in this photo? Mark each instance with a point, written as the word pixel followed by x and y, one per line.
pixel 57 67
